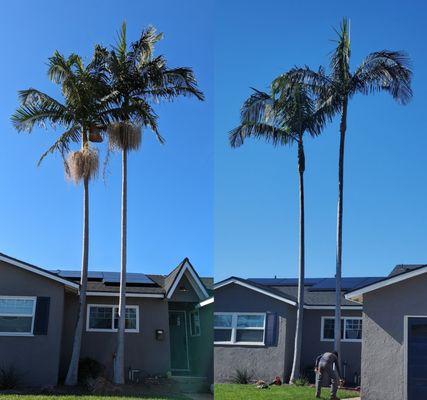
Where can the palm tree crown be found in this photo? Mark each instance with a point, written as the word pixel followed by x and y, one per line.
pixel 82 111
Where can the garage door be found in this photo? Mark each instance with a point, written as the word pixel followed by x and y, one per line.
pixel 417 358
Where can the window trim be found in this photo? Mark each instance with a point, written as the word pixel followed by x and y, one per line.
pixel 196 311
pixel 343 339
pixel 111 330
pixel 33 316
pixel 234 329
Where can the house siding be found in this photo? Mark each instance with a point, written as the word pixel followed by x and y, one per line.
pixel 35 358
pixel 261 361
pixel 142 350
pixel 383 350
pixel 313 345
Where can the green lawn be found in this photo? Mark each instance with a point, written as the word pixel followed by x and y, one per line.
pixel 285 392
pixel 73 397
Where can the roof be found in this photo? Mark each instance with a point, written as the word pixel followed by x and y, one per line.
pixel 107 282
pixel 318 292
pixel 185 268
pixel 398 274
pixel 37 270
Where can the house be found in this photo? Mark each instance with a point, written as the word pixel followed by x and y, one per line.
pixel 394 347
pixel 255 319
pixel 168 321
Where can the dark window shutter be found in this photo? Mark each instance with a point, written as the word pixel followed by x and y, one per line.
pixel 271 327
pixel 41 320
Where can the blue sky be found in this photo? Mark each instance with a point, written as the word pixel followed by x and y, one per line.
pixel 170 187
pixel 256 214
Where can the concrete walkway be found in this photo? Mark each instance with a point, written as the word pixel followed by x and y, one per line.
pixel 354 398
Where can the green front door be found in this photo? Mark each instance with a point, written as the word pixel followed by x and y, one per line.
pixel 178 341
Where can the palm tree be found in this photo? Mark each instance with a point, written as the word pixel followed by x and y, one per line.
pixel 384 70
pixel 137 79
pixel 282 118
pixel 81 116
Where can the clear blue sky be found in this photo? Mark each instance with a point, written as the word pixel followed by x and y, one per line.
pixel 256 214
pixel 170 186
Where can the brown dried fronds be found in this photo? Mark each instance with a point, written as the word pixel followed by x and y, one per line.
pixel 82 164
pixel 124 136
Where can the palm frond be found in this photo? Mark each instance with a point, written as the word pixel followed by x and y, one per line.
pixel 340 57
pixel 387 71
pixel 258 130
pixel 62 144
pixel 142 49
pixel 27 116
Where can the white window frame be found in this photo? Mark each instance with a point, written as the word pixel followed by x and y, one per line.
pixel 32 315
pixel 234 329
pixel 343 339
pixel 113 306
pixel 192 334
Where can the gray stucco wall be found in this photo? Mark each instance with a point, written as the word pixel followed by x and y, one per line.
pixel 313 345
pixel 383 350
pixel 142 350
pixel 264 362
pixel 185 296
pixel 36 357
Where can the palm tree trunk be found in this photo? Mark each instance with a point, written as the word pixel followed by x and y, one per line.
pixel 119 361
pixel 73 369
pixel 343 127
pixel 296 367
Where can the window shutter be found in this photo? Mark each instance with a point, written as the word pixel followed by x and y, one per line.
pixel 41 319
pixel 271 329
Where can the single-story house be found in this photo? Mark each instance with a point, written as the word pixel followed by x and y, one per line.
pixel 394 344
pixel 255 319
pixel 168 320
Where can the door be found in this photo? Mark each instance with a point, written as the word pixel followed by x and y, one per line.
pixel 178 340
pixel 417 358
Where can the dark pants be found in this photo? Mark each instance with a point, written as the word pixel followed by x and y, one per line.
pixel 332 375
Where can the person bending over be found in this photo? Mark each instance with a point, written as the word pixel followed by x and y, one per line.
pixel 327 363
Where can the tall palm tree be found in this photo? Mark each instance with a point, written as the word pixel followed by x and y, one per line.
pixel 384 70
pixel 137 80
pixel 283 118
pixel 81 116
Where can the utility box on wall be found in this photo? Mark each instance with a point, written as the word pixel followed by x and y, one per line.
pixel 160 334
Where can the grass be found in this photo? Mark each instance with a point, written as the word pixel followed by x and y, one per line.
pixel 76 397
pixel 285 392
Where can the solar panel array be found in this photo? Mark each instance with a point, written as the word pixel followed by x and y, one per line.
pixel 107 277
pixel 284 281
pixel 318 284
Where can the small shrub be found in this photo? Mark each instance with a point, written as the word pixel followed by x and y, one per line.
pixel 9 378
pixel 303 381
pixel 242 377
pixel 89 368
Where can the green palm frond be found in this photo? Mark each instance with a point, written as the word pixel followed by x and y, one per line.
pixel 27 116
pixel 264 131
pixel 142 50
pixel 340 57
pixel 385 70
pixel 62 145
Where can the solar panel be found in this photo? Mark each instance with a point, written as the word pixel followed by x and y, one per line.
pixel 107 277
pixel 76 274
pixel 284 281
pixel 131 278
pixel 328 284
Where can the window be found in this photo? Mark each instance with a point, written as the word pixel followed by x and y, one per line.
pixel 351 329
pixel 100 318
pixel 239 328
pixel 17 315
pixel 194 323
